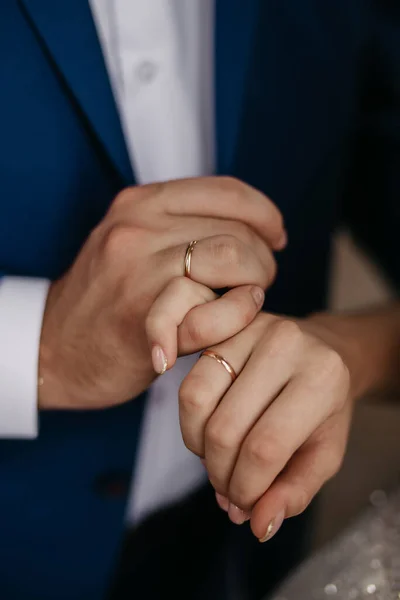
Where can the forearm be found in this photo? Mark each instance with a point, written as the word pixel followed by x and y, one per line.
pixel 369 342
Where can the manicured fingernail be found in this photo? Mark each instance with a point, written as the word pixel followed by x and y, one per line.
pixel 159 359
pixel 282 242
pixel 273 527
pixel 258 295
pixel 222 501
pixel 237 515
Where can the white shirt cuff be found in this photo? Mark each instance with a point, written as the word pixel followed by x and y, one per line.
pixel 22 303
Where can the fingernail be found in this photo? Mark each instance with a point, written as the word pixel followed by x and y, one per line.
pixel 282 242
pixel 258 296
pixel 237 515
pixel 222 501
pixel 273 527
pixel 159 359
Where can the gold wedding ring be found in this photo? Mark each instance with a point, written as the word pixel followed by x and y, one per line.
pixel 220 359
pixel 188 258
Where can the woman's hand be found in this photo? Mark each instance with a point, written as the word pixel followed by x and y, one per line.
pixel 273 437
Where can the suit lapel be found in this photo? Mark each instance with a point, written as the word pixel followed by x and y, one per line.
pixel 67 32
pixel 234 42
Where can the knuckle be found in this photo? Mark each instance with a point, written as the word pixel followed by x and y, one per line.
pixel 227 251
pixel 332 363
pixel 115 241
pixel 193 394
pixel 134 195
pixel 286 333
pixel 136 201
pixel 219 438
pixel 330 369
pixel 194 329
pixel 246 235
pixel 263 451
pixel 123 197
pixel 231 185
pixel 191 445
pixel 150 200
pixel 179 286
pixel 151 192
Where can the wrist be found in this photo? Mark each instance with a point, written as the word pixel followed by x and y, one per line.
pixel 369 344
pixel 338 332
pixel 49 395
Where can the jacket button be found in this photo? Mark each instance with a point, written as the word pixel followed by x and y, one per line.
pixel 113 484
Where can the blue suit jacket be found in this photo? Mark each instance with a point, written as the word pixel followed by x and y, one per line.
pixel 307 107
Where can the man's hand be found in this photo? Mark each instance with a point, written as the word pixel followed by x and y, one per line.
pixel 101 342
pixel 271 439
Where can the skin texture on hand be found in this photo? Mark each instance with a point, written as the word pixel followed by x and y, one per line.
pixel 103 335
pixel 271 439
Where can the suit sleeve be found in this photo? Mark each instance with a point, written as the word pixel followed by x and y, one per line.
pixel 371 207
pixel 22 302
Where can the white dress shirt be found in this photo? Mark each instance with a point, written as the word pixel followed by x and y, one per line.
pixel 159 57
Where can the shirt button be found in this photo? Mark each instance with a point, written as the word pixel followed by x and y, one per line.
pixel 146 71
